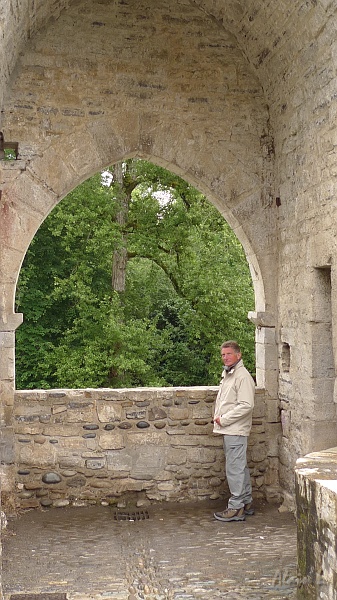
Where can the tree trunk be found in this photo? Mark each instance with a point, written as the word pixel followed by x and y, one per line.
pixel 120 256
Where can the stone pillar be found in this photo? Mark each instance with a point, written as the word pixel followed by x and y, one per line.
pixel 266 351
pixel 267 378
pixel 8 325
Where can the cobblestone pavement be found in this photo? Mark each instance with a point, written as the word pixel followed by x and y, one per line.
pixel 180 552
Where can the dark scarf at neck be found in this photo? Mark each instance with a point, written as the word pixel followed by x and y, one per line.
pixel 230 369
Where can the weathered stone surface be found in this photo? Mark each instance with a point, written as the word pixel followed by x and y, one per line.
pixel 76 482
pixel 316 500
pixel 202 422
pixel 108 413
pixel 38 454
pixel 33 485
pixel 178 414
pixel 58 409
pixel 119 460
pixel 135 413
pixel 46 502
pixel 124 425
pixel 61 503
pixel 39 439
pixel 135 459
pixel 111 441
pixel 51 478
pixel 156 413
pixel 160 424
pixel 100 484
pixel 25 494
pixel 144 460
pixel 80 412
pixel 142 425
pixel 95 463
pixel 258 453
pixel 7 446
pixel 202 411
pixel 176 456
pixel 200 455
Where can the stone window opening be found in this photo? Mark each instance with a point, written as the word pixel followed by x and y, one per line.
pixel 322 320
pixel 8 150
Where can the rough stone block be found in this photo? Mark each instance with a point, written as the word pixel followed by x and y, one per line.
pixel 318 436
pixel 147 437
pixel 272 410
pixel 138 414
pixel 80 413
pixel 144 460
pixel 176 456
pixel 119 460
pixel 178 414
pixel 7 451
pixel 108 413
pixel 271 479
pixel 7 392
pixel 111 441
pixel 58 409
pixel 37 454
pixel 274 434
pixel 157 414
pixel 202 411
pixel 200 455
pixel 259 406
pixel 286 422
pixel 95 463
pixel 258 453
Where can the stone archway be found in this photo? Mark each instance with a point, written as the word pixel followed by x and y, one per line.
pixel 88 93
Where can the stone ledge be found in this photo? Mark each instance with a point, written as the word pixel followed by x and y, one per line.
pixel 316 495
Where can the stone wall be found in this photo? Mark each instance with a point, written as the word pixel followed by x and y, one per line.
pixel 126 446
pixel 316 495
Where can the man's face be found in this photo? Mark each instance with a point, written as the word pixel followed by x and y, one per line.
pixel 229 356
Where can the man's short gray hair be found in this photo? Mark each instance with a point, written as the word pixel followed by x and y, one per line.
pixel 231 344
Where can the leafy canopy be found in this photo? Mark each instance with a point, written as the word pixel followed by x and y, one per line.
pixel 187 287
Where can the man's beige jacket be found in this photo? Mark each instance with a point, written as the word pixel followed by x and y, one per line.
pixel 235 402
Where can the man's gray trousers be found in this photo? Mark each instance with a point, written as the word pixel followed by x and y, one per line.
pixel 237 471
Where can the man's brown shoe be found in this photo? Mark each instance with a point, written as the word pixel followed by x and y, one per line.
pixel 249 510
pixel 231 514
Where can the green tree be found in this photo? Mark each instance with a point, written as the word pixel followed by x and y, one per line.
pixel 183 286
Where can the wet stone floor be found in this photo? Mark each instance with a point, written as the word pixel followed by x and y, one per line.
pixel 175 552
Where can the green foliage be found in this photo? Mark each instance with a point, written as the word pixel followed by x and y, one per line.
pixel 188 288
pixel 9 154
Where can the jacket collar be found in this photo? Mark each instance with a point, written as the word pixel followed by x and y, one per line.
pixel 230 370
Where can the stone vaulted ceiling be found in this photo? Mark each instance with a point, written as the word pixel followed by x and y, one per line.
pixel 262 27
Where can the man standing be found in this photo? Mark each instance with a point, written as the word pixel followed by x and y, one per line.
pixel 233 419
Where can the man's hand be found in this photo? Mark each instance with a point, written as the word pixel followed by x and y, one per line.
pixel 217 420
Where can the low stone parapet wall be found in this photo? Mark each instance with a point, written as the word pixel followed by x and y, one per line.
pixel 316 497
pixel 125 446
